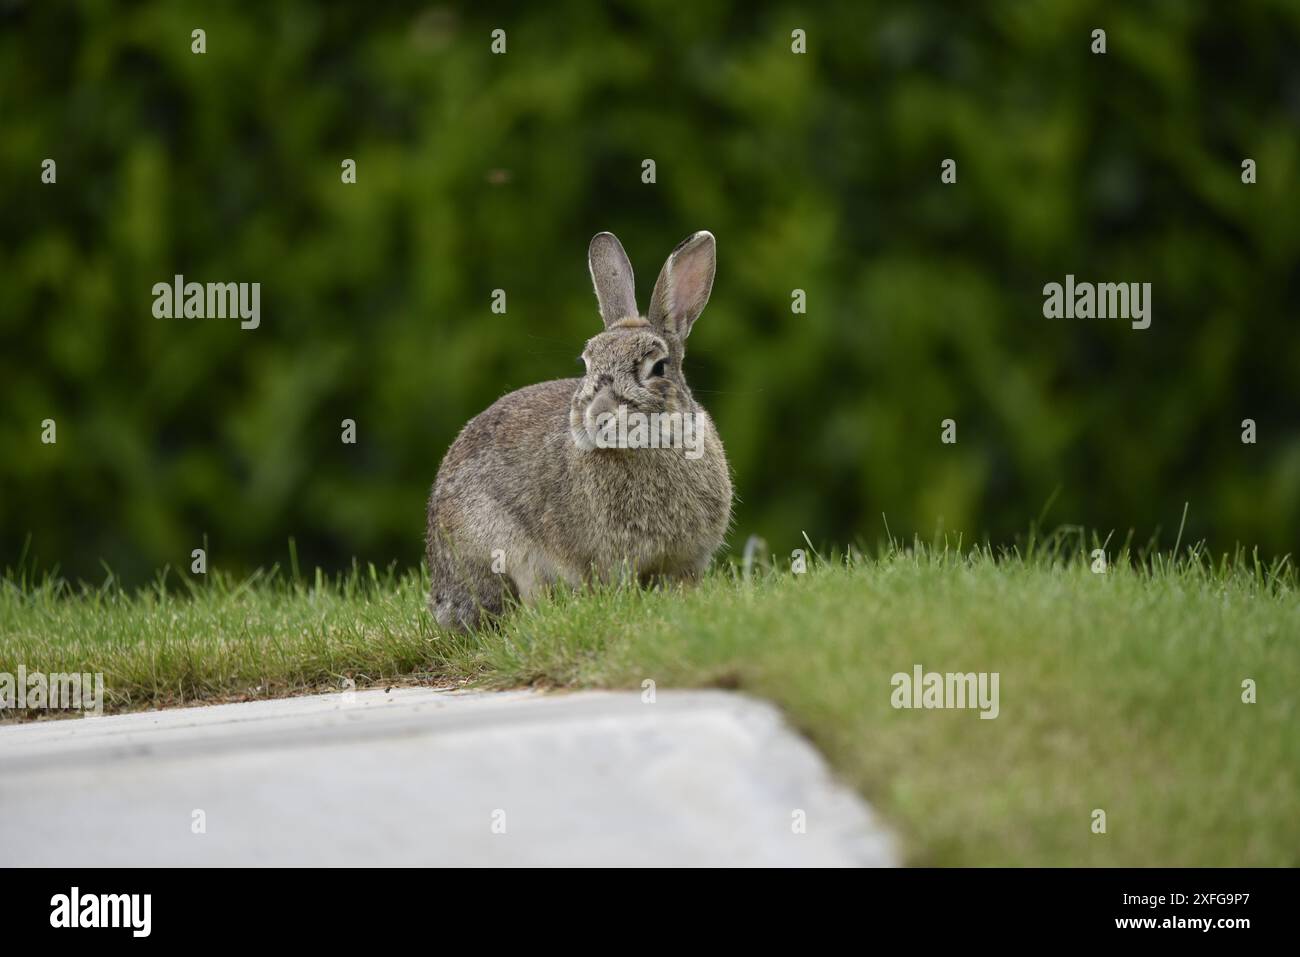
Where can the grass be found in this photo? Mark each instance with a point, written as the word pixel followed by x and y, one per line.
pixel 1120 691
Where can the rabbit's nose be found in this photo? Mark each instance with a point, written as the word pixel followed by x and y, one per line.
pixel 603 401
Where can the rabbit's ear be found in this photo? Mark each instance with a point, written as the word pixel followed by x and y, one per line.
pixel 611 274
pixel 684 285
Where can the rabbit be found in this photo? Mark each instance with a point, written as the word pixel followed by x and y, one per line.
pixel 529 495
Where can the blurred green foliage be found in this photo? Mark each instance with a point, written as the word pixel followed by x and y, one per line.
pixel 478 171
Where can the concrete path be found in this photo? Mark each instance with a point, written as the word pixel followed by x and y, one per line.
pixel 422 777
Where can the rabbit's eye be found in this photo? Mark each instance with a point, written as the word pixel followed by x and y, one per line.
pixel 660 369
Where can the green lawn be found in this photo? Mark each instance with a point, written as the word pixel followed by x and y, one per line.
pixel 1120 691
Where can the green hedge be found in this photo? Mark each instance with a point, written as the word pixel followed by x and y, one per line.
pixel 478 171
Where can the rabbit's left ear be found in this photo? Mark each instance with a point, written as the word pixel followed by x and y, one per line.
pixel 684 285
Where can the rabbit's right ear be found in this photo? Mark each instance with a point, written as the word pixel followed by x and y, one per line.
pixel 611 275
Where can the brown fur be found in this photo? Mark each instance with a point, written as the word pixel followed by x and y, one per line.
pixel 522 486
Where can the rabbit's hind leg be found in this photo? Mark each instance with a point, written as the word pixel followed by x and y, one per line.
pixel 464 591
pixel 467 601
